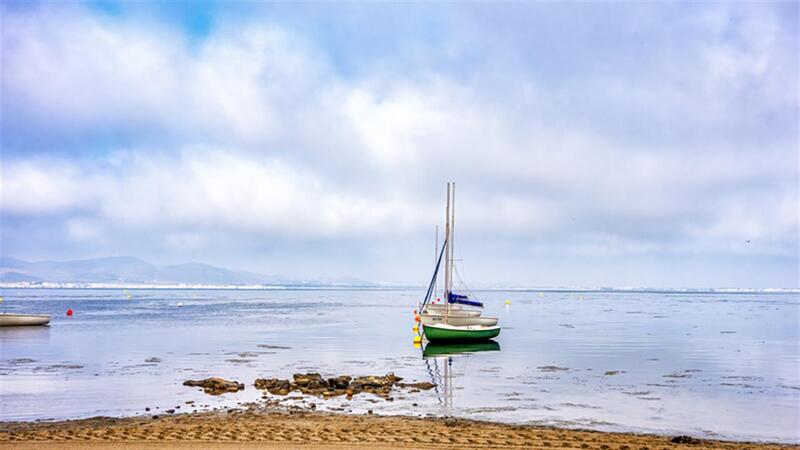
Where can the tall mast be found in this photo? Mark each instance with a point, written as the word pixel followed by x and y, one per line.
pixel 452 233
pixel 447 257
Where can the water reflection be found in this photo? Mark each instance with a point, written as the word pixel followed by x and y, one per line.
pixel 435 349
pixel 25 335
pixel 439 360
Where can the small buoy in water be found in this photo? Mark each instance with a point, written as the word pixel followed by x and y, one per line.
pixel 415 329
pixel 416 318
pixel 541 295
pixel 508 302
pixel 417 339
pixel 180 305
pixel 417 345
pixel 69 312
pixel 415 312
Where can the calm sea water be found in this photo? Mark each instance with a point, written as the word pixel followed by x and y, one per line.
pixel 713 365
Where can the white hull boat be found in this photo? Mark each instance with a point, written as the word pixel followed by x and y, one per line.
pixel 459 313
pixel 18 320
pixel 430 319
pixel 441 307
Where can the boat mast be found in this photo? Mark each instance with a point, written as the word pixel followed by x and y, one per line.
pixel 448 245
pixel 452 234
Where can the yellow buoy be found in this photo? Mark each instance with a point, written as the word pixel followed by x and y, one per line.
pixel 417 339
pixel 415 329
pixel 417 345
pixel 508 302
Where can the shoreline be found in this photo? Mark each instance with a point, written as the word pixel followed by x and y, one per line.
pixel 238 428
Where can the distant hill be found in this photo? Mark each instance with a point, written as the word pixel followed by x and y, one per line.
pixel 128 269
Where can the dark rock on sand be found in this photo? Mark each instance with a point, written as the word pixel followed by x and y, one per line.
pixel 682 439
pixel 215 385
pixel 314 384
pixel 341 382
pixel 274 386
pixel 309 381
pixel 380 386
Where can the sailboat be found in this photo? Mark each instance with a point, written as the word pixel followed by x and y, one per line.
pixel 451 322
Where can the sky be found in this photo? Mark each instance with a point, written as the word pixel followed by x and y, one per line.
pixel 592 144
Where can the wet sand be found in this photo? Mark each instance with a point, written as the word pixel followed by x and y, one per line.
pixel 313 430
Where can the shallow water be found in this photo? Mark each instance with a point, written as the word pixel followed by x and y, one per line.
pixel 711 365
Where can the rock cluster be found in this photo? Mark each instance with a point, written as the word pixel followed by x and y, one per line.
pixel 215 385
pixel 315 384
pixel 683 439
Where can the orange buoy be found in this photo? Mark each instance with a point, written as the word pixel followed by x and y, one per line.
pixel 416 318
pixel 69 312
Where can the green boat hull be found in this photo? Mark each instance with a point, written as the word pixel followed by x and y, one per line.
pixel 437 334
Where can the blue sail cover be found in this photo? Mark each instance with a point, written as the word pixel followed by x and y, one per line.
pixel 462 300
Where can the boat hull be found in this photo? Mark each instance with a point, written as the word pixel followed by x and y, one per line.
pixel 459 313
pixel 450 333
pixel 429 319
pixel 21 320
pixel 442 306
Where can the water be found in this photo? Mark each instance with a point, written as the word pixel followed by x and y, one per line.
pixel 721 365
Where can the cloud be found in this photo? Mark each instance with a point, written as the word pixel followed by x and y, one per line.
pixel 676 142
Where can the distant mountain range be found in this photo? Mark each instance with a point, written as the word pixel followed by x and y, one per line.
pixel 131 270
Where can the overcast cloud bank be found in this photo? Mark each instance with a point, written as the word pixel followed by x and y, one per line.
pixel 591 144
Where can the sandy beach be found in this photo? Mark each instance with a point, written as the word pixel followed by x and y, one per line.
pixel 313 430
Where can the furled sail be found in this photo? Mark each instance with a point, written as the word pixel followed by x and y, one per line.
pixel 462 300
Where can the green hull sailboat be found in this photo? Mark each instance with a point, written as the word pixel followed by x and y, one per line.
pixel 463 326
pixel 444 332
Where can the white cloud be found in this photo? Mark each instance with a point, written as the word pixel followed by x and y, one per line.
pixel 252 131
pixel 204 189
pixel 40 186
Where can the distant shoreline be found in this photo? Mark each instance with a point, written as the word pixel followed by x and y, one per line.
pixel 329 430
pixel 322 287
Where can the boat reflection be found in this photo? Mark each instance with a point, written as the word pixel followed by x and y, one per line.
pixel 25 335
pixel 439 360
pixel 433 350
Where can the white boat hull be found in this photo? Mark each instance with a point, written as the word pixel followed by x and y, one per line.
pixel 19 320
pixel 441 306
pixel 457 313
pixel 430 319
